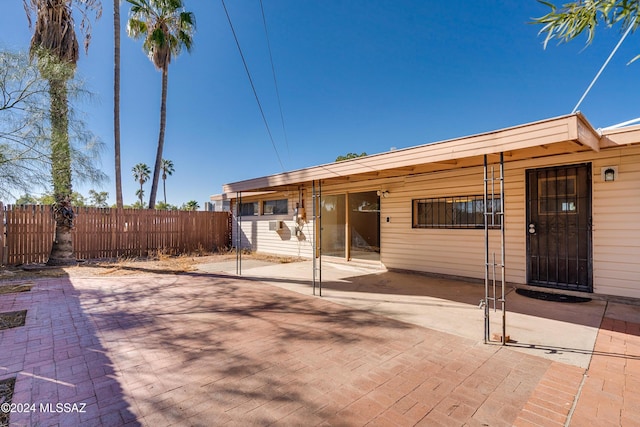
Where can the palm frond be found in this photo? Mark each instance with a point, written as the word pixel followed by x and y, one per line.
pixel 136 28
pixel 572 19
pixel 167 28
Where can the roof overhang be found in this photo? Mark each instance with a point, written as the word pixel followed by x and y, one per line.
pixel 612 138
pixel 560 135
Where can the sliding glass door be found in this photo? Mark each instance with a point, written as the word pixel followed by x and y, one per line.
pixel 333 228
pixel 351 225
pixel 364 226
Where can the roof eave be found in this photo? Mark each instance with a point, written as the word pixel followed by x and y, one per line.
pixel 569 128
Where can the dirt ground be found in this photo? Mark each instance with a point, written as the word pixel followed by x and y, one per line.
pixel 160 264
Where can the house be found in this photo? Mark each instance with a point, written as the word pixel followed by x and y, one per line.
pixel 571 198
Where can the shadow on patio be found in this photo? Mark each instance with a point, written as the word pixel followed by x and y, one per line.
pixel 560 331
pixel 63 374
pixel 211 347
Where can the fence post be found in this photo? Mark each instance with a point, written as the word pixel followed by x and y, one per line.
pixel 3 236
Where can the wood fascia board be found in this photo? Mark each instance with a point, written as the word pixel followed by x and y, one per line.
pixel 586 134
pixel 622 136
pixel 546 132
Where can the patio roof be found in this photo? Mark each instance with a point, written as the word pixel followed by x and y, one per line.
pixel 560 135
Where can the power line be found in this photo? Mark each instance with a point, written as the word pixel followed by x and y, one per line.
pixel 275 81
pixel 613 52
pixel 255 93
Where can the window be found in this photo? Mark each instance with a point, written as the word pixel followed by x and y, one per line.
pixel 455 212
pixel 275 207
pixel 557 195
pixel 249 209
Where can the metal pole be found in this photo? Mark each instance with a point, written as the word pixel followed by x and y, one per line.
pixel 320 240
pixel 314 238
pixel 493 281
pixel 503 260
pixel 493 224
pixel 237 228
pixel 486 256
pixel 239 233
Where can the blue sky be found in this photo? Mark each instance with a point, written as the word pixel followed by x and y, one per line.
pixel 353 76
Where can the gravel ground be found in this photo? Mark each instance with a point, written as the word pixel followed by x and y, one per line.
pixel 162 264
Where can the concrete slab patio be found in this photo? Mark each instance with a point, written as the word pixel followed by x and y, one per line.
pixel 559 331
pixel 210 348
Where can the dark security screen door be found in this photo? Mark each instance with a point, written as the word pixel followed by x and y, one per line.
pixel 559 227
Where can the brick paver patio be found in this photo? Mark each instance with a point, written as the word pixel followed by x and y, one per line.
pixel 205 349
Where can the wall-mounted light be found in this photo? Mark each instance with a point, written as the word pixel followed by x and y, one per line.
pixel 609 173
pixel 383 193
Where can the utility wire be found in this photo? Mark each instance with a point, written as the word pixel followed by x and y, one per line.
pixel 613 52
pixel 275 81
pixel 255 93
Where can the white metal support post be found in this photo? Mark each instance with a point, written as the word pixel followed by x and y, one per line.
pixel 494 272
pixel 317 236
pixel 239 233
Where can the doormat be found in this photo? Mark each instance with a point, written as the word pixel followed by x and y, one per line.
pixel 548 296
pixel 12 319
pixel 6 394
pixel 11 289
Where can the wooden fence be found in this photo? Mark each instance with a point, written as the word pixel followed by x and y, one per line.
pixel 28 230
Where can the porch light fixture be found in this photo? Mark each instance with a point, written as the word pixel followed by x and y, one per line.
pixel 609 173
pixel 383 193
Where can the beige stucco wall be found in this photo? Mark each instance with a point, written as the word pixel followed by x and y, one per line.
pixel 460 252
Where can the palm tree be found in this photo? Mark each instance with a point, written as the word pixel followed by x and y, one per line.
pixel 116 100
pixel 166 28
pixel 140 193
pixel 55 45
pixel 167 169
pixel 141 174
pixel 191 205
pixel 571 19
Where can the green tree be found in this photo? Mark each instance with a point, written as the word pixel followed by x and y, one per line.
pixel 78 199
pixel 25 143
pixel 24 159
pixel 191 205
pixel 167 169
pixel 26 199
pixel 55 45
pixel 47 199
pixel 166 28
pixel 139 204
pixel 141 174
pixel 350 156
pixel 98 199
pixel 567 22
pixel 162 206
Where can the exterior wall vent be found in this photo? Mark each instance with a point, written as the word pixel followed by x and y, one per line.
pixel 276 225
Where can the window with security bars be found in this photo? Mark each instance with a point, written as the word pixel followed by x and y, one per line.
pixel 455 212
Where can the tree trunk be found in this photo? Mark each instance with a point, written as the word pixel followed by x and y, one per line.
pixel 163 124
pixel 62 249
pixel 164 188
pixel 116 100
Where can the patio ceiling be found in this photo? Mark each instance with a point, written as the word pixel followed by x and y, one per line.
pixel 560 135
